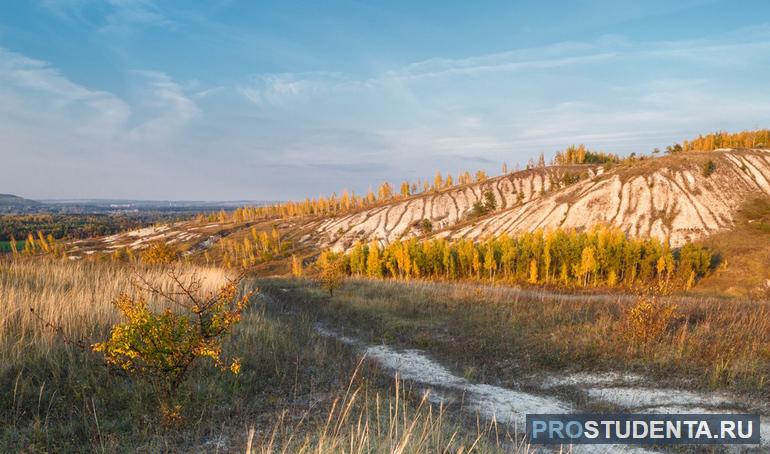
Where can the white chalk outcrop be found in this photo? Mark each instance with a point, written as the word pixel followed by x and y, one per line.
pixel 670 197
pixel 446 208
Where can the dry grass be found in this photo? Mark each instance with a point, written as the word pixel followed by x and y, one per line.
pixel 76 298
pixel 745 255
pixel 360 421
pixel 294 388
pixel 710 343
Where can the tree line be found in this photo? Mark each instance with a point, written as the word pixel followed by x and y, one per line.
pixel 600 257
pixel 580 154
pixel 345 202
pixel 71 226
pixel 257 247
pixel 759 138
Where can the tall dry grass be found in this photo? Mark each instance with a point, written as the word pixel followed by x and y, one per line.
pixel 59 398
pixel 74 297
pixel 361 421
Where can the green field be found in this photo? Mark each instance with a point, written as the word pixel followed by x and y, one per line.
pixel 5 246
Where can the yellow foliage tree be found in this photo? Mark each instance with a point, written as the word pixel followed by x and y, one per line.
pixel 159 253
pixel 162 348
pixel 532 272
pixel 296 266
pixel 332 273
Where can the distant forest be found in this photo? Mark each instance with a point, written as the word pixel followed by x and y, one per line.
pixel 759 138
pixel 71 226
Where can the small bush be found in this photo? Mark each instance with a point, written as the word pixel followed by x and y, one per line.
pixel 648 320
pixel 162 348
pixel 487 205
pixel 708 168
pixel 490 203
pixel 159 253
pixel 332 271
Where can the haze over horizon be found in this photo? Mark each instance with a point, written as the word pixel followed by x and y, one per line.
pixel 159 100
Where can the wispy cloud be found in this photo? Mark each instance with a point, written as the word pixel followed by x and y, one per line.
pixel 733 48
pixel 169 105
pixel 282 88
pixel 100 112
pixel 110 15
pixel 36 93
pixel 555 56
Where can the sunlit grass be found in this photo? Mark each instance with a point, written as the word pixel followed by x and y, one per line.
pixel 294 389
pixel 705 342
pixel 75 298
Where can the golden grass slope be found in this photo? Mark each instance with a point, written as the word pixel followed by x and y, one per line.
pixel 73 296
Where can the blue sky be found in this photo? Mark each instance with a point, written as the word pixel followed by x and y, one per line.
pixel 276 100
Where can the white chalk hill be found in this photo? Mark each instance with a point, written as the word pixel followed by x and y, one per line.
pixel 680 197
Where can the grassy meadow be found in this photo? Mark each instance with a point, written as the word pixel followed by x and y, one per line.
pixel 296 392
pixel 510 334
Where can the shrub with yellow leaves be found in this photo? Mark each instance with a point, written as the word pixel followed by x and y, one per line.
pixel 648 319
pixel 159 253
pixel 332 267
pixel 163 347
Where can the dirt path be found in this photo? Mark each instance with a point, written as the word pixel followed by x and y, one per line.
pixel 441 367
pixel 611 392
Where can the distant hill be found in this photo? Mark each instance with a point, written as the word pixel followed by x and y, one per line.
pixel 13 201
pixel 683 197
pixel 719 198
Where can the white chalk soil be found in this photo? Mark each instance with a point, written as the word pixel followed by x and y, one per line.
pixel 615 391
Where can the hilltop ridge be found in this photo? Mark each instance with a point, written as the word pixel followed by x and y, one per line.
pixel 448 208
pixel 10 200
pixel 682 197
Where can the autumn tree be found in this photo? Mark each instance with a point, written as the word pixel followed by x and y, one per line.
pixel 159 253
pixel 438 181
pixel 332 272
pixel 384 192
pixel 579 154
pixel 296 266
pixel 601 256
pixel 759 138
pixel 405 189
pixel 373 264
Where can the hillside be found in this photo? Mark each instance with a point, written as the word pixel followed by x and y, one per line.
pixel 448 208
pixel 688 196
pixel 671 197
pixel 12 201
